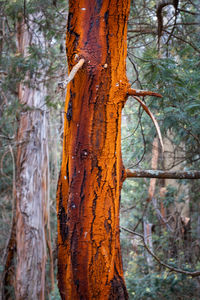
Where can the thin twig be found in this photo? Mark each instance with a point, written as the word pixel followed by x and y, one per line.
pixel 145 107
pixel 189 12
pixel 183 40
pixel 172 269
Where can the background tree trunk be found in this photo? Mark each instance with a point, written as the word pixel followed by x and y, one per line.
pixel 32 176
pixel 88 196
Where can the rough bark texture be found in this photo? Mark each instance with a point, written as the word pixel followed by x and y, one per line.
pixel 32 181
pixel 88 196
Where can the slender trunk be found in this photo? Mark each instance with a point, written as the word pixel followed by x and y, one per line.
pixel 32 180
pixel 148 240
pixel 88 196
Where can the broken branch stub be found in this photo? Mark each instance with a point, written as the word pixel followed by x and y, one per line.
pixel 63 84
pixel 143 93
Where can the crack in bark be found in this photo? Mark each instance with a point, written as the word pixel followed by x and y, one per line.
pixel 70 30
pixel 99 175
pixel 114 173
pixel 62 216
pixel 73 178
pixel 82 195
pixel 94 202
pixel 98 6
pixel 91 76
pixel 69 110
pixel 118 291
pixel 67 171
pixel 74 251
pixel 89 31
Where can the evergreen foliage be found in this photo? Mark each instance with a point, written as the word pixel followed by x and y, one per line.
pixel 45 60
pixel 173 70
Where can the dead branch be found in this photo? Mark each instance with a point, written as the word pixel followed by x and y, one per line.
pixel 183 40
pixel 62 85
pixel 160 6
pixel 189 12
pixel 162 174
pixel 133 92
pixel 172 269
pixel 145 107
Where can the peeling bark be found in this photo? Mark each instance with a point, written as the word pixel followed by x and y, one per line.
pixel 88 195
pixel 32 180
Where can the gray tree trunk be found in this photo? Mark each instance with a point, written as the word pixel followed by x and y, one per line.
pixel 32 175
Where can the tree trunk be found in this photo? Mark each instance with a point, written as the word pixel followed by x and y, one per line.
pixel 32 177
pixel 88 196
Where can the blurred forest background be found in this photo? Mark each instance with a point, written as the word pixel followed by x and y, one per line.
pixel 159 217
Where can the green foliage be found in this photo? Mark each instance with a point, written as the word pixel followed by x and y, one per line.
pixel 178 82
pixel 171 194
pixel 174 72
pixel 157 285
pixel 45 61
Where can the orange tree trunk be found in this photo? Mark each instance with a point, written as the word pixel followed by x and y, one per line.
pixel 88 195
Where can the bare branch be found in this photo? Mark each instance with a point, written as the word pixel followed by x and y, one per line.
pixel 183 40
pixel 145 107
pixel 133 92
pixel 162 174
pixel 172 269
pixel 189 12
pixel 160 6
pixel 62 85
